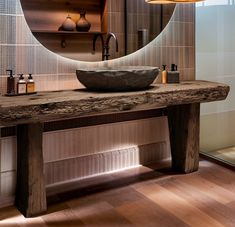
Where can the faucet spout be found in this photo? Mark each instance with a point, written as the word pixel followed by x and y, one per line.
pixel 106 45
pixel 112 35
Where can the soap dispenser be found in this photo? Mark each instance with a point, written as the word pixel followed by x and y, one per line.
pixel 173 75
pixel 164 74
pixel 10 82
pixel 21 85
pixel 30 86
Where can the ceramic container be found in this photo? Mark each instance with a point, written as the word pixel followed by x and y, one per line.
pixel 83 25
pixel 68 24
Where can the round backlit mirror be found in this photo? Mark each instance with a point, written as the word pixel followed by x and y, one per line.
pixel 94 30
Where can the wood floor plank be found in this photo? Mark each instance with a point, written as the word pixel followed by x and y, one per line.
pixel 98 214
pixel 10 217
pixel 178 206
pixel 34 222
pixel 209 188
pixel 218 175
pixel 220 212
pixel 232 206
pixel 114 197
pixel 146 213
pixel 63 218
pixel 142 197
pixel 18 220
pixel 8 212
pixel 122 196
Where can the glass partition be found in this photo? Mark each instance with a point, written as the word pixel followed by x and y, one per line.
pixel 215 61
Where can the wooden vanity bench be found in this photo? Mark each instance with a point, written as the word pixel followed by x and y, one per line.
pixel 181 102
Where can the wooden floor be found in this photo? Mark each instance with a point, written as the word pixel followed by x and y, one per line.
pixel 142 197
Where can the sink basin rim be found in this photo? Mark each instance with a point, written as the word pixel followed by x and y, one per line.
pixel 120 69
pixel 123 78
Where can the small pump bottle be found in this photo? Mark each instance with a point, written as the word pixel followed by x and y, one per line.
pixel 30 86
pixel 10 82
pixel 21 85
pixel 164 74
pixel 174 74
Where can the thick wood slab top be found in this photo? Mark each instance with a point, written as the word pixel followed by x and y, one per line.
pixel 48 106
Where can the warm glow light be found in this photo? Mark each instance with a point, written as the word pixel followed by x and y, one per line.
pixel 186 1
pixel 158 1
pixel 171 1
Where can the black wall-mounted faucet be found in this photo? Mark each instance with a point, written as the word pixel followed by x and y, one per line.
pixel 106 45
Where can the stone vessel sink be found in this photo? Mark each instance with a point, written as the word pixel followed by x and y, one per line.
pixel 118 79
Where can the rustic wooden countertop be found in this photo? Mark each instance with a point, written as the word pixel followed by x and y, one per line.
pixel 33 110
pixel 48 106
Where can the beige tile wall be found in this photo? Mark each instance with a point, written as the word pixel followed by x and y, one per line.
pixel 92 150
pixel 21 52
pixel 145 16
pixel 84 152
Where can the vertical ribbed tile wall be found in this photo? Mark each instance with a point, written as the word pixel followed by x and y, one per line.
pixel 141 16
pixel 93 150
pixel 103 138
pixel 63 171
pixel 116 25
pixel 89 151
pixel 21 52
pixel 7 170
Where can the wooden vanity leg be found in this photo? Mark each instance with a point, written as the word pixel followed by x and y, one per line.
pixel 184 126
pixel 30 188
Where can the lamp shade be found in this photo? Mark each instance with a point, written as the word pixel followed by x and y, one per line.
pixel 171 1
pixel 158 1
pixel 186 1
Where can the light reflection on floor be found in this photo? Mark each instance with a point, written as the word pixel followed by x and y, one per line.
pixel 227 155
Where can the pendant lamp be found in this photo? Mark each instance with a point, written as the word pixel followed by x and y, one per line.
pixel 171 1
pixel 186 1
pixel 158 1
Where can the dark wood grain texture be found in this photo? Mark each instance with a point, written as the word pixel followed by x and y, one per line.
pixel 182 102
pixel 48 106
pixel 30 189
pixel 184 136
pixel 91 121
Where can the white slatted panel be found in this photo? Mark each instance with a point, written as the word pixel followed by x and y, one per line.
pixel 65 144
pixel 96 164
